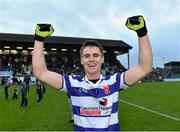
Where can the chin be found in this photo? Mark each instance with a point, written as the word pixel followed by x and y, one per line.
pixel 92 71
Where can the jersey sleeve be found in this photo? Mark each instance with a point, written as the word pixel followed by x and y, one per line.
pixel 64 87
pixel 123 84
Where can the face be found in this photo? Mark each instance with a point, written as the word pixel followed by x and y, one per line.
pixel 92 59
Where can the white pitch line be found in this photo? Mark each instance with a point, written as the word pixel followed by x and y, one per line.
pixel 159 113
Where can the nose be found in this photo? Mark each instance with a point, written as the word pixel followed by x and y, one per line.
pixel 91 58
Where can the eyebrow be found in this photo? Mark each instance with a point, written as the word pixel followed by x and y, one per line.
pixel 92 54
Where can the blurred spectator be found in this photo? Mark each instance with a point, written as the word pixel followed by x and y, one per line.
pixel 14 86
pixel 24 101
pixel 27 80
pixel 6 82
pixel 39 90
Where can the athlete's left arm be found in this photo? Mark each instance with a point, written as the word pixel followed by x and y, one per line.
pixel 145 62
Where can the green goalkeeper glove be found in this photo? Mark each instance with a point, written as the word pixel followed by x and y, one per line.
pixel 42 31
pixel 137 24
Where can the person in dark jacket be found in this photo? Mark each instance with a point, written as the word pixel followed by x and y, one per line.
pixel 27 80
pixel 6 82
pixel 24 101
pixel 39 90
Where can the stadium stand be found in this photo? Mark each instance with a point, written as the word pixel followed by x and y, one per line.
pixel 61 53
pixel 172 69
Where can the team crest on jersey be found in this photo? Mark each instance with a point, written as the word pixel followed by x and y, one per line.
pixel 106 89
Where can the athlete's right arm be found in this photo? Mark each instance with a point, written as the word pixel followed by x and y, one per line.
pixel 40 70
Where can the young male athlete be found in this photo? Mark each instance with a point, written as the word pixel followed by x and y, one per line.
pixel 94 97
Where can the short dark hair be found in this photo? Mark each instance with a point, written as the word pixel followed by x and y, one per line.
pixel 92 43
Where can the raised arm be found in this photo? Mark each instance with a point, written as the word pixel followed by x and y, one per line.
pixel 145 60
pixel 38 60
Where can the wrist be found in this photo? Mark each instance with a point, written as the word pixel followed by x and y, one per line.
pixel 142 32
pixel 39 38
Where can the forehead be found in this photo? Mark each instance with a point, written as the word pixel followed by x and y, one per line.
pixel 91 50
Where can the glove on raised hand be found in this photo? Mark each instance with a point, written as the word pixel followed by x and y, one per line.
pixel 42 31
pixel 137 24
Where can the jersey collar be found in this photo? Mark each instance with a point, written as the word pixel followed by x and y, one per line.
pixel 91 83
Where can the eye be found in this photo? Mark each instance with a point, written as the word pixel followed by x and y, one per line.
pixel 86 55
pixel 96 55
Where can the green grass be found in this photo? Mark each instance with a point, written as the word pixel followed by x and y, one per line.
pixel 161 97
pixel 53 113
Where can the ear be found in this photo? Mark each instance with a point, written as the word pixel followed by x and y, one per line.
pixel 102 60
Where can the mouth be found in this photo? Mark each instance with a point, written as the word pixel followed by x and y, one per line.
pixel 91 65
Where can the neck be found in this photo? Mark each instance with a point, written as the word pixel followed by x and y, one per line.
pixel 93 76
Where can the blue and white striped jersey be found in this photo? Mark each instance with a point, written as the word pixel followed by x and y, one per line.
pixel 95 106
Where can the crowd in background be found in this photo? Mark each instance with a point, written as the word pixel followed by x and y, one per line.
pixel 64 65
pixel 19 63
pixel 71 65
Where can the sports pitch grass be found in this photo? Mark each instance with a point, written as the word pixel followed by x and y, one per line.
pixel 144 107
